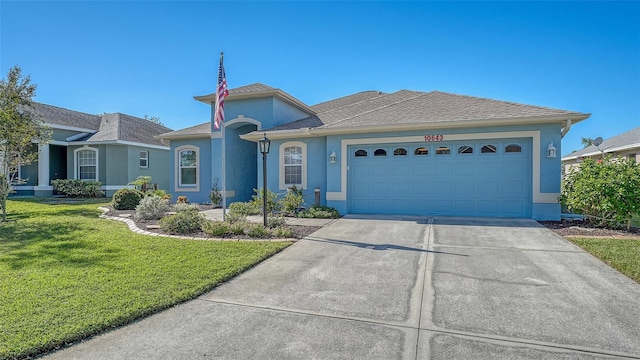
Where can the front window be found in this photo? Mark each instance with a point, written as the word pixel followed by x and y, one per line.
pixel 293 165
pixel 188 167
pixel 87 164
pixel 144 159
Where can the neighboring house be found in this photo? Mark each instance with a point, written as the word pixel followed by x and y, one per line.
pixel 111 148
pixel 625 145
pixel 407 152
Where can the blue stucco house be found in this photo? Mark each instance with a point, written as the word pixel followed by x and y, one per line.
pixel 406 152
pixel 111 148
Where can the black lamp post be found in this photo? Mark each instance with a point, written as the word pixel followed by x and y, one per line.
pixel 264 149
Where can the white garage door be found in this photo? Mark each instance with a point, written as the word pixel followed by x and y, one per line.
pixel 457 178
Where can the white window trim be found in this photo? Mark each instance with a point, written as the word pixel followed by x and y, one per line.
pixel 75 162
pixel 178 186
pixel 303 146
pixel 146 158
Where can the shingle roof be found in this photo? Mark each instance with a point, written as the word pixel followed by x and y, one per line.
pixel 58 116
pixel 128 128
pixel 372 109
pixel 630 138
pixel 252 88
pixel 107 127
pixel 197 130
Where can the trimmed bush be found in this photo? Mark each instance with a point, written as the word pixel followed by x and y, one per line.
pixel 272 203
pixel 292 200
pixel 216 228
pixel 274 221
pixel 127 199
pixel 319 212
pixel 257 231
pixel 237 228
pixel 282 232
pixel 244 208
pixel 185 222
pixel 151 208
pixel 78 188
pixel 182 207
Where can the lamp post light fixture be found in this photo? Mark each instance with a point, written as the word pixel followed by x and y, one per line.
pixel 264 144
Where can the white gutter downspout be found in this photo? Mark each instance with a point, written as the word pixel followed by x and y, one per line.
pixel 566 129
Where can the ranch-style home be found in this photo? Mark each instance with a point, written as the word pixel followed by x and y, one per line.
pixel 626 145
pixel 111 148
pixel 406 152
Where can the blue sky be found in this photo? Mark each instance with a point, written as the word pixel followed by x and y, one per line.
pixel 152 57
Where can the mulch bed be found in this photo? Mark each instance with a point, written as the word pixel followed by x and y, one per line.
pixel 299 231
pixel 578 228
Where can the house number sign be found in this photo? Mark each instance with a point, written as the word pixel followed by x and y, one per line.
pixel 438 137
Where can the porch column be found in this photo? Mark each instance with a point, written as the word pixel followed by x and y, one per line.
pixel 43 165
pixel 43 188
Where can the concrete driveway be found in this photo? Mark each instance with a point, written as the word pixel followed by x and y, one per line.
pixel 401 288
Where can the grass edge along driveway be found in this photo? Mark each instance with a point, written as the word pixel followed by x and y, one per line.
pixel 621 254
pixel 65 274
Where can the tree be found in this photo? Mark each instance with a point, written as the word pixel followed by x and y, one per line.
pixel 153 119
pixel 586 142
pixel 20 128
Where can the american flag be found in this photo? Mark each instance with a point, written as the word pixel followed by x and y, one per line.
pixel 222 93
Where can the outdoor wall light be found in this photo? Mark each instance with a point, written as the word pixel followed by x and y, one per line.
pixel 333 158
pixel 551 150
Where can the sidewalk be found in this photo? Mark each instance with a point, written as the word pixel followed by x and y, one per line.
pixel 216 214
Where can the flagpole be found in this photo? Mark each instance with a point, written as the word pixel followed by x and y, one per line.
pixel 224 177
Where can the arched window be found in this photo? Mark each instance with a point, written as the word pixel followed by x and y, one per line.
pixel 86 163
pixel 380 152
pixel 293 165
pixel 489 149
pixel 361 153
pixel 421 151
pixel 400 152
pixel 513 148
pixel 465 149
pixel 443 150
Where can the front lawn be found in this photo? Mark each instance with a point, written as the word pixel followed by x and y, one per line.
pixel 65 274
pixel 621 254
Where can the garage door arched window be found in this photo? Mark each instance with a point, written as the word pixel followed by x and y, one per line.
pixel 513 148
pixel 361 153
pixel 380 152
pixel 400 152
pixel 465 149
pixel 86 163
pixel 293 165
pixel 489 149
pixel 443 150
pixel 421 151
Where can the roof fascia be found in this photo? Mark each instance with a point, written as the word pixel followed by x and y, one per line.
pixel 307 132
pixel 211 98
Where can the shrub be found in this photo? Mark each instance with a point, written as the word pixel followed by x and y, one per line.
pixel 151 208
pixel 142 181
pixel 182 200
pixel 159 192
pixel 233 218
pixel 216 228
pixel 127 199
pixel 272 203
pixel 237 228
pixel 244 208
pixel 275 221
pixel 292 200
pixel 606 191
pixel 183 207
pixel 186 222
pixel 257 231
pixel 282 232
pixel 215 195
pixel 77 188
pixel 319 212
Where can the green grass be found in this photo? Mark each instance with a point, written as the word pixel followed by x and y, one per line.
pixel 65 274
pixel 622 255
